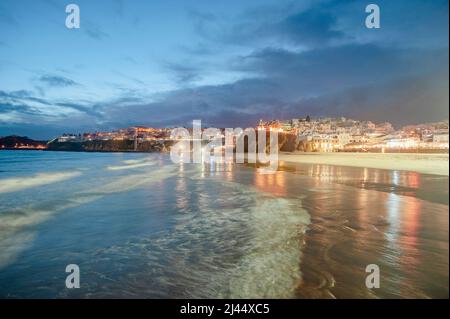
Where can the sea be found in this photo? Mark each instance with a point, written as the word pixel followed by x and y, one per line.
pixel 138 225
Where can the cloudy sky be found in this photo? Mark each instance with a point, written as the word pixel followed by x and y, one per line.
pixel 228 63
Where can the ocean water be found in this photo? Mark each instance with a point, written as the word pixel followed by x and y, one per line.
pixel 139 226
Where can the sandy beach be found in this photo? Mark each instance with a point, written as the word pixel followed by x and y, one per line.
pixel 422 163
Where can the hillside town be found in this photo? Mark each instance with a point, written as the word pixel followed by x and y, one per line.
pixel 343 134
pixel 314 135
pixel 308 134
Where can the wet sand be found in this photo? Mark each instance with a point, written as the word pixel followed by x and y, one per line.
pixel 415 162
pixel 396 220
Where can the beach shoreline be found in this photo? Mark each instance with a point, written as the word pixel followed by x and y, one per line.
pixel 435 164
pixel 426 163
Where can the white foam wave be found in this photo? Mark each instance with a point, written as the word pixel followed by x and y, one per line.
pixel 16 224
pixel 129 162
pixel 271 269
pixel 8 185
pixel 16 231
pixel 130 182
pixel 130 166
pixel 242 244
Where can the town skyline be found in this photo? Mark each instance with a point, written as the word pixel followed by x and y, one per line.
pixel 307 134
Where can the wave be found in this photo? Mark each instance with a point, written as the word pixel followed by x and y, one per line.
pixel 9 185
pixel 134 161
pixel 16 224
pixel 242 244
pixel 130 182
pixel 115 168
pixel 131 164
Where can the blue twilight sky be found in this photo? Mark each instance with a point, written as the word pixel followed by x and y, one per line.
pixel 228 63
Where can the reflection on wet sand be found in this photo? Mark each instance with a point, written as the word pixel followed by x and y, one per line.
pixel 369 216
pixel 428 187
pixel 271 183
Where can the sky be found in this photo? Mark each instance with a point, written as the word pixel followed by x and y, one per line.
pixel 227 63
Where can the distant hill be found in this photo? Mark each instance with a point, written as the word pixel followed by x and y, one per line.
pixel 21 142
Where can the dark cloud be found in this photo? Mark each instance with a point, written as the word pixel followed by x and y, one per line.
pixel 57 81
pixel 403 101
pixel 333 68
pixel 183 73
pixel 312 27
pixel 408 24
pixel 357 81
pixel 27 109
pixel 311 24
pixel 88 110
pixel 14 94
pixel 360 81
pixel 93 30
pixel 19 108
pixel 19 97
pixel 306 24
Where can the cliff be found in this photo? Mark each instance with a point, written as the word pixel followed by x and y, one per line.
pixel 111 146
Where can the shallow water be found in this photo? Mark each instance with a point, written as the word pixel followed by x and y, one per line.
pixel 139 226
